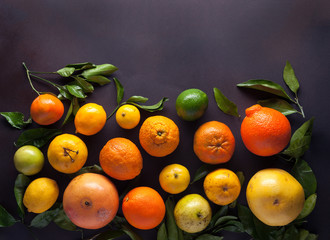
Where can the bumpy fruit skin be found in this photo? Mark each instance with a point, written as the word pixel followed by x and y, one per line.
pixel 192 213
pixel 275 197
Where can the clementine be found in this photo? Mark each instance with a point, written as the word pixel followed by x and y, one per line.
pixel 121 159
pixel 265 131
pixel 90 201
pixel 143 208
pixel 159 136
pixel 214 142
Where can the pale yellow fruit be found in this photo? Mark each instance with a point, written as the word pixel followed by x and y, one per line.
pixel 174 178
pixel 275 197
pixel 40 195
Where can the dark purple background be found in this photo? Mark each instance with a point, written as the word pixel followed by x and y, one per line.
pixel 162 48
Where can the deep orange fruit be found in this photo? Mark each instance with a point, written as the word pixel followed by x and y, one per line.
pixel 265 131
pixel 90 201
pixel 46 109
pixel 214 143
pixel 143 208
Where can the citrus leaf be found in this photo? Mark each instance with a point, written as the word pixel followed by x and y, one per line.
pixel 108 235
pixel 266 86
pixel 81 66
pixel 308 206
pixel 21 184
pixel 202 172
pixel 120 90
pixel 101 80
pixel 66 71
pixel 291 233
pixel 220 213
pixel 137 99
pixel 16 119
pixel 64 222
pixel 279 105
pixel 207 236
pixel 103 70
pixel 76 91
pixel 224 219
pixel 305 235
pixel 290 78
pixel 162 232
pixel 43 219
pixel 224 103
pixel 129 232
pixel 6 219
pixel 85 86
pixel 305 176
pixel 246 217
pixel 88 169
pixel 152 108
pixel 37 137
pixel 173 232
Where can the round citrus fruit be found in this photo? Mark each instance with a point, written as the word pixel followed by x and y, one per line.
pixel 174 178
pixel 67 153
pixel 191 104
pixel 121 159
pixel 29 160
pixel 265 131
pixel 128 116
pixel 90 119
pixel 90 201
pixel 214 143
pixel 222 186
pixel 159 136
pixel 275 197
pixel 40 195
pixel 143 208
pixel 46 109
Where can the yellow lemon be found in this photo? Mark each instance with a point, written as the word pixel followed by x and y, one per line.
pixel 275 197
pixel 222 186
pixel 90 119
pixel 40 195
pixel 67 153
pixel 174 178
pixel 128 116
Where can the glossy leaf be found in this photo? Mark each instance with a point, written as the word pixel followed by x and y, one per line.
pixel 6 219
pixel 76 91
pixel 290 78
pixel 308 206
pixel 37 137
pixel 291 233
pixel 207 236
pixel 81 66
pixel 173 232
pixel 162 232
pixel 108 235
pixel 224 219
pixel 103 70
pixel 224 103
pixel 305 235
pixel 130 232
pixel 202 171
pixel 152 108
pixel 220 213
pixel 101 80
pixel 66 71
pixel 137 99
pixel 305 176
pixel 246 217
pixel 43 219
pixel 16 119
pixel 85 86
pixel 278 104
pixel 21 184
pixel 120 90
pixel 266 86
pixel 64 222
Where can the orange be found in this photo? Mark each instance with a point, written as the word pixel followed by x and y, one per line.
pixel 121 159
pixel 91 201
pixel 222 186
pixel 143 208
pixel 46 109
pixel 174 178
pixel 159 136
pixel 128 116
pixel 265 131
pixel 67 153
pixel 214 142
pixel 90 119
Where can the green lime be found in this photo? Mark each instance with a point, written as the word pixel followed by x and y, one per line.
pixel 191 104
pixel 29 160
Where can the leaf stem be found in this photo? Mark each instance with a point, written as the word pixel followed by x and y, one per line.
pixel 113 112
pixel 36 72
pixel 29 78
pixel 45 80
pixel 300 107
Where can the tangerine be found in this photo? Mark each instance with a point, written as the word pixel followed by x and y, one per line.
pixel 214 143
pixel 159 136
pixel 265 131
pixel 128 116
pixel 174 178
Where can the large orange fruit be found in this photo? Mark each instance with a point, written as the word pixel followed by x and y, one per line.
pixel 265 131
pixel 159 136
pixel 121 159
pixel 143 208
pixel 91 201
pixel 214 143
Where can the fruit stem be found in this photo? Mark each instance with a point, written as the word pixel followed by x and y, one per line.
pixel 300 107
pixel 29 78
pixel 67 153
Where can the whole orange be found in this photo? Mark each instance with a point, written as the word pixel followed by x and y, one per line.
pixel 91 201
pixel 143 208
pixel 214 143
pixel 46 109
pixel 265 131
pixel 121 159
pixel 159 136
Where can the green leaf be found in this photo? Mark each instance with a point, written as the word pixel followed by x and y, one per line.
pixel 264 231
pixel 16 119
pixel 129 232
pixel 103 69
pixel 101 80
pixel 266 86
pixel 224 219
pixel 224 103
pixel 290 78
pixel 66 71
pixel 173 232
pixel 233 226
pixel 220 213
pixel 108 235
pixel 246 217
pixel 21 184
pixel 279 105
pixel 291 233
pixel 120 90
pixel 137 99
pixel 308 206
pixel 207 236
pixel 76 91
pixel 6 219
pixel 88 169
pixel 152 108
pixel 43 219
pixel 305 176
pixel 64 92
pixel 305 235
pixel 62 220
pixel 37 137
pixel 202 171
pixel 162 232
pixel 85 86
pixel 300 140
pixel 81 66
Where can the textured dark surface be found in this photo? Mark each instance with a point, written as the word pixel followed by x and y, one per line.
pixel 162 48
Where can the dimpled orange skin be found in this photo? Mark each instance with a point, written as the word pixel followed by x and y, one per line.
pixel 121 159
pixel 91 201
pixel 159 136
pixel 214 143
pixel 46 109
pixel 265 131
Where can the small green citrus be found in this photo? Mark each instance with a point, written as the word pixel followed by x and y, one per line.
pixel 191 104
pixel 29 160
